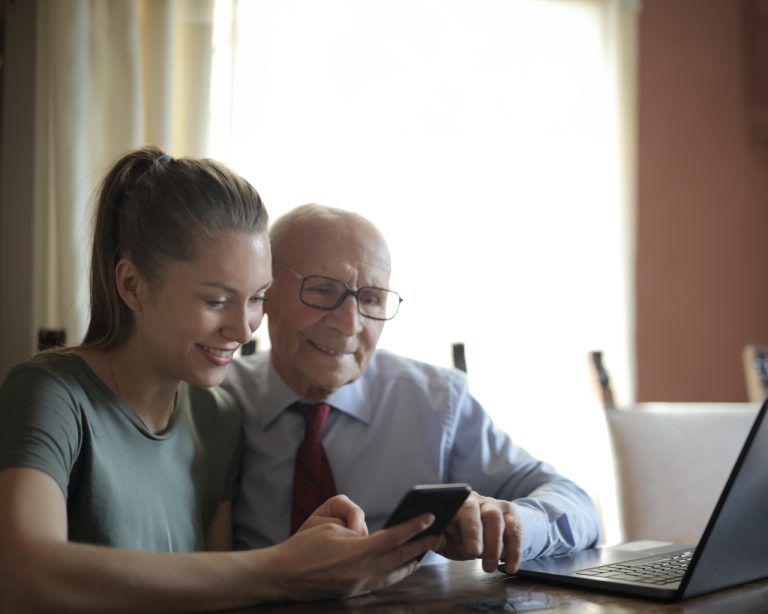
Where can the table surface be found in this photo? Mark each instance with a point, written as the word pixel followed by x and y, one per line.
pixel 464 587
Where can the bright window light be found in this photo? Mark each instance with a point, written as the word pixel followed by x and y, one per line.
pixel 481 137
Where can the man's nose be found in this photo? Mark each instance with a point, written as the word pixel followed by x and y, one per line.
pixel 346 318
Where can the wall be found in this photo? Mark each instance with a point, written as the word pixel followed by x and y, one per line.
pixel 702 203
pixel 16 185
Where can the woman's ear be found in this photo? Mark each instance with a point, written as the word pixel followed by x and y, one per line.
pixel 128 281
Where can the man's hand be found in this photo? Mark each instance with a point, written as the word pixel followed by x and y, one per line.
pixel 338 510
pixel 485 528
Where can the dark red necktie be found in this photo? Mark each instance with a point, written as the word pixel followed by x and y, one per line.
pixel 312 476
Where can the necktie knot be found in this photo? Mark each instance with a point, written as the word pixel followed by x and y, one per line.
pixel 314 418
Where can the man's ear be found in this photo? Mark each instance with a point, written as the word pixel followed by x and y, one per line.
pixel 128 280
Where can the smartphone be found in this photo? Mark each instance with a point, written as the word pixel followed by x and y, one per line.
pixel 442 500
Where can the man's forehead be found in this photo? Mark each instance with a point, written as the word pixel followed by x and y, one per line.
pixel 322 223
pixel 344 261
pixel 336 249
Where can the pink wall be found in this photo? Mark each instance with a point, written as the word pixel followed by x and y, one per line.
pixel 702 280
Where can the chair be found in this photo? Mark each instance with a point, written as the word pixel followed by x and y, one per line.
pixel 251 347
pixel 48 338
pixel 602 379
pixel 459 358
pixel 671 463
pixel 755 360
pixel 670 460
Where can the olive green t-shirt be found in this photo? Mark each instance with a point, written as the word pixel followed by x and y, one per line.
pixel 124 486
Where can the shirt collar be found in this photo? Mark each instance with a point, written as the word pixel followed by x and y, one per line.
pixel 350 399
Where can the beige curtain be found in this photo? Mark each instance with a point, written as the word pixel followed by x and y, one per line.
pixel 622 18
pixel 111 75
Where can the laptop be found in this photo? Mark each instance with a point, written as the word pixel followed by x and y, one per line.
pixel 733 549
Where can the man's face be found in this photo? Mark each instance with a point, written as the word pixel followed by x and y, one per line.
pixel 315 351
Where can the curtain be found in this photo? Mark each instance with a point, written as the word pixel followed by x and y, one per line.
pixel 111 76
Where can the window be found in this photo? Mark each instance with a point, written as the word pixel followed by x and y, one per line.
pixel 483 137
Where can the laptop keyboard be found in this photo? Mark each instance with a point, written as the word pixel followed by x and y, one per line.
pixel 665 570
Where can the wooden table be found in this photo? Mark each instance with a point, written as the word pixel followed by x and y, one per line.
pixel 464 587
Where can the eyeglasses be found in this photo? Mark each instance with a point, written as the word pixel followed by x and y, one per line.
pixel 328 293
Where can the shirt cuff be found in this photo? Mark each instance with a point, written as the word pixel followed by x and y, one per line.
pixel 535 530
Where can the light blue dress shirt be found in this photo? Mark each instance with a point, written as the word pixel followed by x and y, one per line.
pixel 402 423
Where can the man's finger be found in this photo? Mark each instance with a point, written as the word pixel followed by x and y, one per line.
pixel 513 540
pixel 493 533
pixel 469 526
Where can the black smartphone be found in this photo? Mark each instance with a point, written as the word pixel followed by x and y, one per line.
pixel 442 500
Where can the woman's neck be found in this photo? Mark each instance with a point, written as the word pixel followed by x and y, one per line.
pixel 133 378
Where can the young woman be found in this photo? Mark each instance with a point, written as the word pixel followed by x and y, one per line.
pixel 117 460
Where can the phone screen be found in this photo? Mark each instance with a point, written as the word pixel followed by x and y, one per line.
pixel 442 500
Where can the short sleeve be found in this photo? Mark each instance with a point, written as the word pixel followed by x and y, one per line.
pixel 40 423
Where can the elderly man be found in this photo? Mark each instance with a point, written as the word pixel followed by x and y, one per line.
pixel 388 422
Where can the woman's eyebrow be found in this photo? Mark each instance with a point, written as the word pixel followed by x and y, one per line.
pixel 219 286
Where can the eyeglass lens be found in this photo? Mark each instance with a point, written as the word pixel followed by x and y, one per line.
pixel 328 293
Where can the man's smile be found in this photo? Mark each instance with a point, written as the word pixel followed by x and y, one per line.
pixel 327 350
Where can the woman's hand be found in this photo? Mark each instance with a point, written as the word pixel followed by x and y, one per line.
pixel 338 510
pixel 329 560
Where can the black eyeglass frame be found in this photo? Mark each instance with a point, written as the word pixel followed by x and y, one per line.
pixel 343 297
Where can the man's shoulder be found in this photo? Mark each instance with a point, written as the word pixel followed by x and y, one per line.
pixel 387 360
pixel 387 366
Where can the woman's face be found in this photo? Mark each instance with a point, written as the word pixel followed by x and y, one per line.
pixel 193 319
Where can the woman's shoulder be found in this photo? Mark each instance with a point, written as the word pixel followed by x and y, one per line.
pixel 46 399
pixel 55 369
pixel 51 360
pixel 214 407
